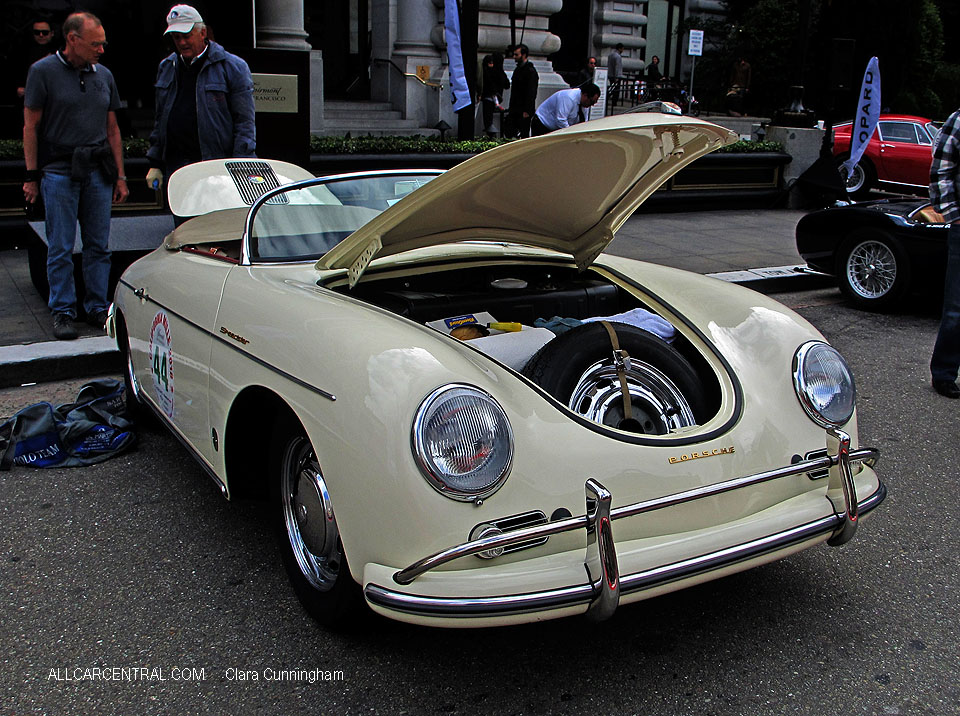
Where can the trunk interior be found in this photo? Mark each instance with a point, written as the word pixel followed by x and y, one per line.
pixel 530 294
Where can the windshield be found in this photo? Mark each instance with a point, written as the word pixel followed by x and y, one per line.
pixel 307 219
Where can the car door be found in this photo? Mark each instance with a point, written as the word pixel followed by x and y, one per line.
pixel 171 356
pixel 905 153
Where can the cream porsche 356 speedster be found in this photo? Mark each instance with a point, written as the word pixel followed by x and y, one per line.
pixel 462 412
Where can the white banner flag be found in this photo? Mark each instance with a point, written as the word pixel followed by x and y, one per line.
pixel 459 90
pixel 868 114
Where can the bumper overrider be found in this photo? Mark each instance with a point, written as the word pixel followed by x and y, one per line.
pixel 604 584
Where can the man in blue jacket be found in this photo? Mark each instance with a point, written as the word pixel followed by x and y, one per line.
pixel 204 101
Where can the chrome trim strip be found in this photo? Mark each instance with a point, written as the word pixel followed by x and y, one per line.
pixel 406 576
pixel 478 606
pixel 452 607
pixel 273 369
pixel 410 573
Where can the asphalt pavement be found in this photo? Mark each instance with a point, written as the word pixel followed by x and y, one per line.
pixel 138 565
pixel 749 246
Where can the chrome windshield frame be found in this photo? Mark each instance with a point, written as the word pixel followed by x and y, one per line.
pixel 245 254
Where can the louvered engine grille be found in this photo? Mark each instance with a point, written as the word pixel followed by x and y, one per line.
pixel 253 180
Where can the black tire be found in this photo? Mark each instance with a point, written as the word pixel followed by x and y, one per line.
pixel 137 411
pixel 861 180
pixel 577 368
pixel 306 530
pixel 872 270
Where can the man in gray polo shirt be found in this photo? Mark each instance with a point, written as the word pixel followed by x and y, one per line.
pixel 74 157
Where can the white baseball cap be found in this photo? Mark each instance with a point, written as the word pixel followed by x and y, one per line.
pixel 182 18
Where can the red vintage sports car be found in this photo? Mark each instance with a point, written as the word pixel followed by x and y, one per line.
pixel 898 155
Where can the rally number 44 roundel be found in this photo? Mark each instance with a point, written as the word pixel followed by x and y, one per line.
pixel 161 362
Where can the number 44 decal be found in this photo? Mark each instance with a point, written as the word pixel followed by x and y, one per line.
pixel 161 359
pixel 160 367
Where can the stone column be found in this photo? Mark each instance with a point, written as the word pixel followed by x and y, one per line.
pixel 494 36
pixel 803 145
pixel 279 25
pixel 614 25
pixel 414 48
pixel 383 24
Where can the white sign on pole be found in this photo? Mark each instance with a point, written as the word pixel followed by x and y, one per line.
pixel 600 80
pixel 695 48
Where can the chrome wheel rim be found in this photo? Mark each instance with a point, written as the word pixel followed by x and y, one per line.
pixel 657 404
pixel 871 269
pixel 131 375
pixel 853 180
pixel 308 516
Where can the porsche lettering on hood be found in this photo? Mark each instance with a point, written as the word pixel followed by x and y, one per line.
pixel 576 187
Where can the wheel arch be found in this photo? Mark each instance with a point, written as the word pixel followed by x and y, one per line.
pixel 864 231
pixel 870 174
pixel 246 441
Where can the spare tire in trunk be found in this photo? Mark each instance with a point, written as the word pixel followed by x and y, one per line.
pixel 578 369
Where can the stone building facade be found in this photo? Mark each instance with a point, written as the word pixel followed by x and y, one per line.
pixel 398 41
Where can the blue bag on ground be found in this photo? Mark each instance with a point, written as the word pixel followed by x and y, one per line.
pixel 84 432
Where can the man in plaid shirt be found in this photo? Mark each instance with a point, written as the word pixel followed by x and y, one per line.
pixel 945 195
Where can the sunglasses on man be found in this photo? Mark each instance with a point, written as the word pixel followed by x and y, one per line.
pixel 42 33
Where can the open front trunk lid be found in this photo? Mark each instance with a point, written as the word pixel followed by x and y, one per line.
pixel 567 191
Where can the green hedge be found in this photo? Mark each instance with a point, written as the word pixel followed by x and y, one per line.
pixel 748 146
pixel 429 145
pixel 400 145
pixel 133 147
pixel 13 148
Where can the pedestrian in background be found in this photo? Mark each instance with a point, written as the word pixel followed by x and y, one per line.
pixel 586 74
pixel 564 108
pixel 204 101
pixel 41 45
pixel 945 196
pixel 654 75
pixel 74 158
pixel 493 82
pixel 523 96
pixel 615 72
pixel 741 76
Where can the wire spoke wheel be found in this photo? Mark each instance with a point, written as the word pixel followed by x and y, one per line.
pixel 871 270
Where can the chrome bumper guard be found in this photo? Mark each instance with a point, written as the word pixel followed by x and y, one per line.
pixel 605 585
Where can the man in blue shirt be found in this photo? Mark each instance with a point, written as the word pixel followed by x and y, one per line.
pixel 564 108
pixel 204 101
pixel 944 190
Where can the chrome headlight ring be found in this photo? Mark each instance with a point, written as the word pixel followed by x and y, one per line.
pixel 824 384
pixel 462 442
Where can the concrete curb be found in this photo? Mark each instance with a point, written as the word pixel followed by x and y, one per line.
pixel 771 279
pixel 58 360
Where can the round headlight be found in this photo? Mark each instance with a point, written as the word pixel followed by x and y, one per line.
pixel 462 442
pixel 824 384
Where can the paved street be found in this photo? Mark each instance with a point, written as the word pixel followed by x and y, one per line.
pixel 139 562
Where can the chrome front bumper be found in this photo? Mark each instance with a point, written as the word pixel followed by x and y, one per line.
pixel 605 584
